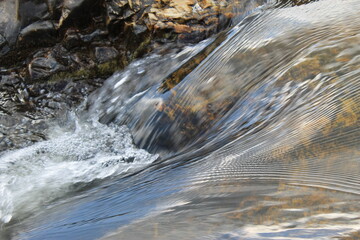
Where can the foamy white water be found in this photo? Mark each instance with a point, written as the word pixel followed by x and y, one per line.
pixel 36 175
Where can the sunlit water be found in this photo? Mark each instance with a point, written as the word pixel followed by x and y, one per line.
pixel 260 141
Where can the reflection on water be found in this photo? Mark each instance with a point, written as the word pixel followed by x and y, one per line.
pixel 248 210
pixel 260 141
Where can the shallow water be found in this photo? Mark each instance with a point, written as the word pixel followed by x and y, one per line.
pixel 261 140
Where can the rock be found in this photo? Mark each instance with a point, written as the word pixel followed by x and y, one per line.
pixel 30 11
pixel 139 29
pixel 54 7
pixel 97 35
pixel 2 41
pixel 118 12
pixel 16 15
pixel 44 66
pixel 9 80
pixel 79 13
pixel 185 17
pixel 41 33
pixel 105 54
pixel 72 39
pixel 4 48
pixel 9 23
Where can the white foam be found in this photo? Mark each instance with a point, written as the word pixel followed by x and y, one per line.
pixel 36 175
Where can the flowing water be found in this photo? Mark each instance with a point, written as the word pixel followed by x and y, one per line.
pixel 252 134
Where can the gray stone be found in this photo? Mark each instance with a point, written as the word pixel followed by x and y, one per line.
pixel 30 11
pixel 9 23
pixel 139 29
pixel 4 48
pixel 38 34
pixel 77 12
pixel 10 80
pixel 54 7
pixel 42 67
pixel 2 41
pixel 72 39
pixel 118 10
pixel 105 54
pixel 97 35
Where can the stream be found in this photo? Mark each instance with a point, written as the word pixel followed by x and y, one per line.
pixel 251 134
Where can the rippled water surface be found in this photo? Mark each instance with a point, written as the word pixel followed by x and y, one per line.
pixel 258 139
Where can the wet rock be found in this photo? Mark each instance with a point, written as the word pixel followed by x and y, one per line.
pixel 45 66
pixel 105 54
pixel 41 33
